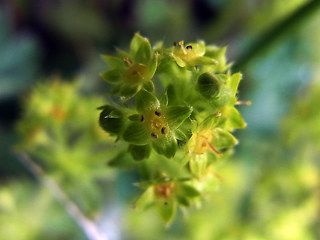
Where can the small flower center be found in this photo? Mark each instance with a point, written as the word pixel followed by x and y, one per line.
pixel 164 190
pixel 157 124
pixel 136 72
pixel 203 143
pixel 185 53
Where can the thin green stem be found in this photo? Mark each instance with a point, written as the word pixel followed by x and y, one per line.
pixel 87 225
pixel 270 37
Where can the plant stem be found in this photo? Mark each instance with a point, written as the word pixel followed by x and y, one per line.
pixel 270 37
pixel 87 225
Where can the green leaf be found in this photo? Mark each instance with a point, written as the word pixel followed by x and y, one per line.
pixel 112 76
pixel 140 49
pixel 111 120
pixel 140 152
pixel 198 165
pixel 209 85
pixel 223 139
pixel 175 115
pixel 167 210
pixel 190 191
pixel 136 133
pixel 146 101
pixel 165 145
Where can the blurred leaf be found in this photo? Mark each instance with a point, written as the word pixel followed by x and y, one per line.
pixel 140 152
pixel 136 133
pixel 167 209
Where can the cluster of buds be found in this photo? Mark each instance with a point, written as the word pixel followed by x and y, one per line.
pixel 176 111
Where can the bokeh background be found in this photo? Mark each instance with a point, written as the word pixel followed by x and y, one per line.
pixel 271 185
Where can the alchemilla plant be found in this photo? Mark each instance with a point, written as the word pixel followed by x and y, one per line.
pixel 175 108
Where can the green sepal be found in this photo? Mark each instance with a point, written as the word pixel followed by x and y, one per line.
pixel 140 49
pixel 139 152
pixel 146 101
pixel 165 145
pixel 129 91
pixel 178 60
pixel 175 115
pixel 152 66
pixel 210 122
pixel 164 99
pixel 146 199
pixel 234 81
pixel 198 48
pixel 189 191
pixel 136 133
pixel 180 135
pixel 183 201
pixel 158 45
pixel 202 61
pixel 149 86
pixel 167 209
pixel 122 160
pixel 135 117
pixel 144 184
pixel 209 85
pixel 122 54
pixel 223 139
pixel 112 61
pixel 198 165
pixel 112 76
pixel 116 89
pixel 218 53
pixel 224 98
pixel 111 120
pixel 235 119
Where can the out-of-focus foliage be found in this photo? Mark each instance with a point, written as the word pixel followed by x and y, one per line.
pixel 27 211
pixel 19 60
pixel 302 125
pixel 60 131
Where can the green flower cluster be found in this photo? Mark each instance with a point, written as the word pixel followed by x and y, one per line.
pixel 177 130
pixel 59 131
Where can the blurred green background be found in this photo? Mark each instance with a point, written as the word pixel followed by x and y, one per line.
pixel 270 187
